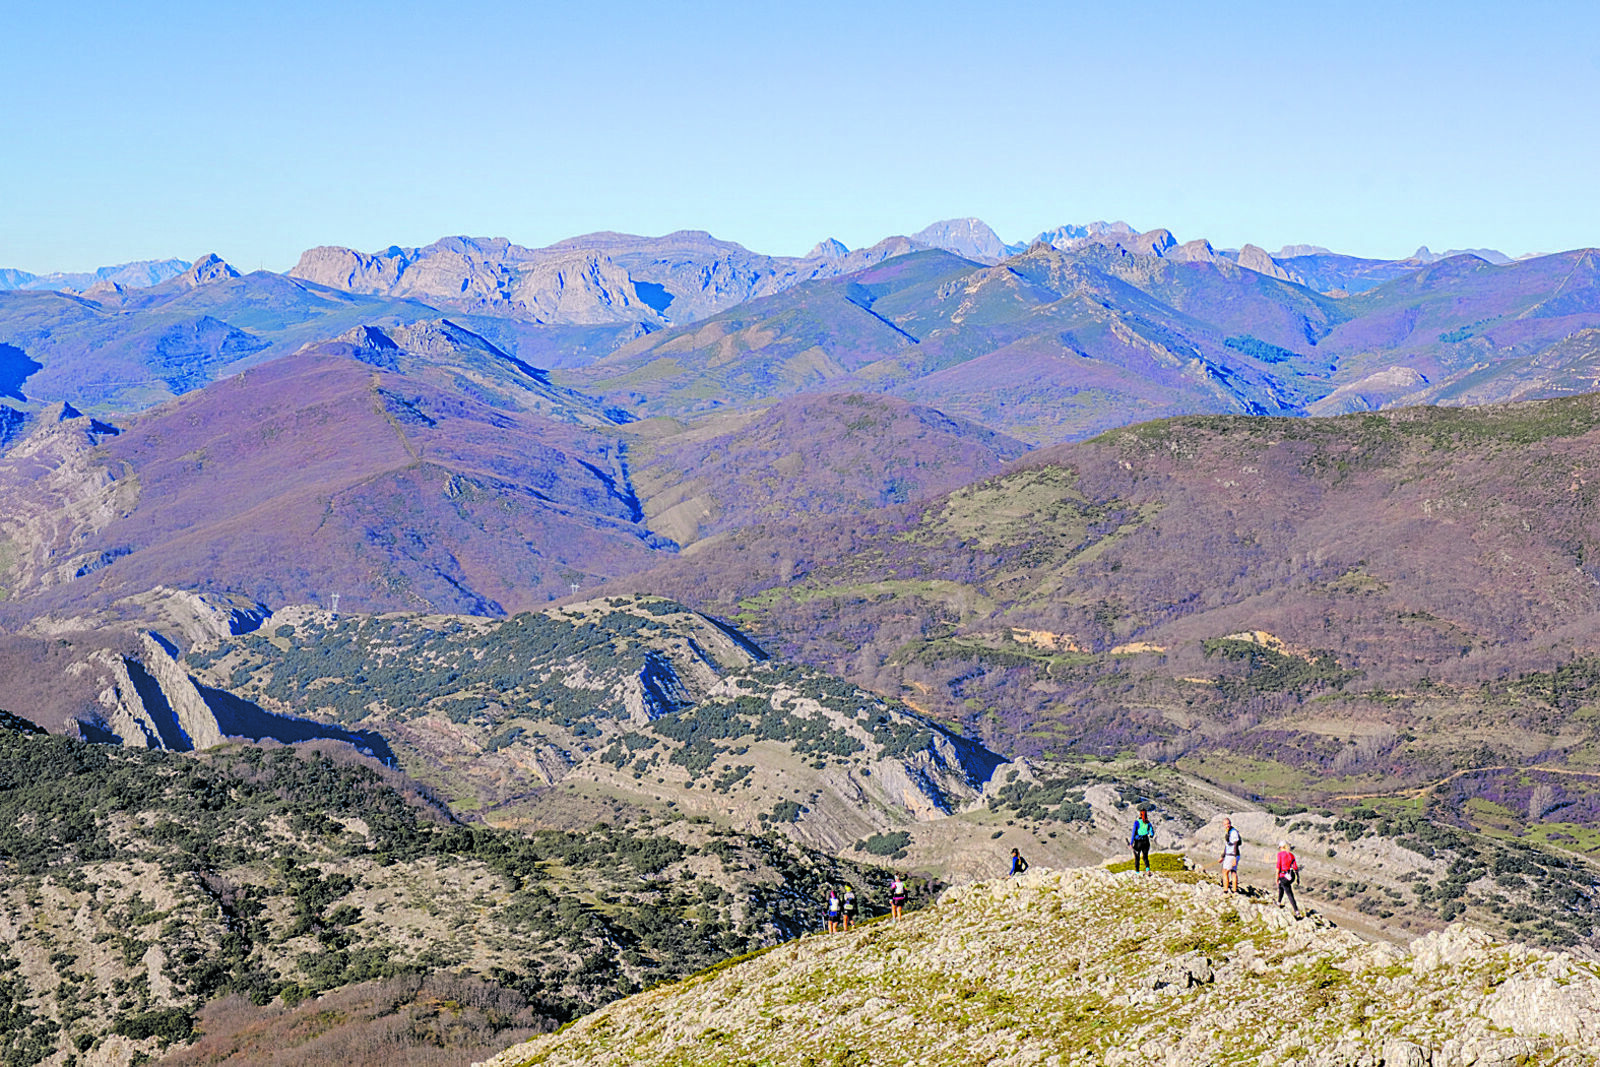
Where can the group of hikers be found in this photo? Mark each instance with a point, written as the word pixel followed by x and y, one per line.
pixel 1144 834
pixel 843 907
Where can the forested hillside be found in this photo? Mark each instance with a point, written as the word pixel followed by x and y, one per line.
pixel 138 886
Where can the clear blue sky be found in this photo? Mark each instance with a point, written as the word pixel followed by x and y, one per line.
pixel 257 130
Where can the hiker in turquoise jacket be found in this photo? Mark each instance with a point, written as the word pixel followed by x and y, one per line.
pixel 1143 834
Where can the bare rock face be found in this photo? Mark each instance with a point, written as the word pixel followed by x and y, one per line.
pixel 1256 259
pixel 969 238
pixel 571 286
pixel 54 495
pixel 1153 243
pixel 189 710
pixel 581 288
pixel 106 292
pixel 1066 238
pixel 1197 251
pixel 150 702
pixel 1379 389
pixel 194 620
pixel 345 268
pixel 207 270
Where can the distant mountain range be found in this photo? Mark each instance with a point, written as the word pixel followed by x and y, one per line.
pixel 580 279
pixel 136 275
pixel 174 418
pixel 1051 345
pixel 1150 322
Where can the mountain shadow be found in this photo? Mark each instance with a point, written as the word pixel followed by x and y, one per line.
pixel 237 717
pixel 16 367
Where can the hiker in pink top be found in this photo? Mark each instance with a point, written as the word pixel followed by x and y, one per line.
pixel 1288 870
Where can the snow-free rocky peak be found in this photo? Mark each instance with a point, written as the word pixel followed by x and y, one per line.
pixel 207 269
pixel 969 237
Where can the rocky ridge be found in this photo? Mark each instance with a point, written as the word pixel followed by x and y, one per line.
pixel 446 353
pixel 1084 966
pixel 634 699
pixel 601 278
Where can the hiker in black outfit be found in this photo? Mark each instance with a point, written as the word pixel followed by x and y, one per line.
pixel 1018 864
pixel 849 907
pixel 1143 833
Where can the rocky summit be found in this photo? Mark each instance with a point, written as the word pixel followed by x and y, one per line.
pixel 1086 966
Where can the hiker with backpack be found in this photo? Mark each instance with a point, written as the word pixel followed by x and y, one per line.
pixel 1018 864
pixel 1232 843
pixel 1143 834
pixel 1288 871
pixel 849 907
pixel 835 908
pixel 897 898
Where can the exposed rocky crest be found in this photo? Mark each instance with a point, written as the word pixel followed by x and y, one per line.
pixel 1087 966
pixel 970 238
pixel 152 703
pixel 605 278
pixel 574 286
pixel 450 355
pixel 206 270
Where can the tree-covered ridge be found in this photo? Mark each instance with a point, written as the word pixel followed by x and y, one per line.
pixel 639 692
pixel 403 666
pixel 140 885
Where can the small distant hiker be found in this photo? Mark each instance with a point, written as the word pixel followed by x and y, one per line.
pixel 835 908
pixel 1232 842
pixel 849 907
pixel 1288 871
pixel 1018 864
pixel 897 897
pixel 1140 840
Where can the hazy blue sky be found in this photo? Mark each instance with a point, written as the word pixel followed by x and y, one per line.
pixel 257 130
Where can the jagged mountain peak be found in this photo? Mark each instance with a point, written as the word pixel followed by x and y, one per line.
pixel 429 339
pixel 968 237
pixel 206 270
pixel 828 248
pixel 1252 257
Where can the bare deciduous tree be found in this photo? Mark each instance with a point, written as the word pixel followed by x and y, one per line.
pixel 1541 800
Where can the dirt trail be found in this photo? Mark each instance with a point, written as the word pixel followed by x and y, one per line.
pixel 1417 791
